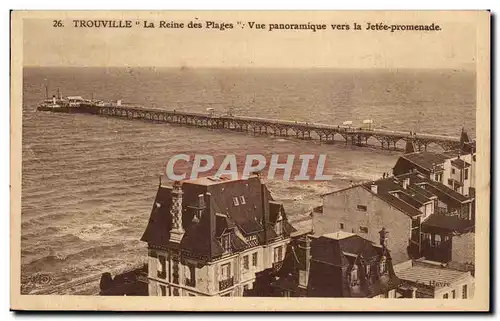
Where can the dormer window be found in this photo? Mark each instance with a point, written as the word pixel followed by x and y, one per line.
pixel 242 200
pixel 383 265
pixel 235 201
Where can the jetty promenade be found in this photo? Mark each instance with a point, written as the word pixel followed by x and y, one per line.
pixel 388 139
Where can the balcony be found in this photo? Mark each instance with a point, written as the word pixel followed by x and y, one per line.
pixel 227 283
pixel 162 274
pixel 277 266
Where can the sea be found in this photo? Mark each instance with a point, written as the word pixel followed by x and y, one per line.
pixel 89 182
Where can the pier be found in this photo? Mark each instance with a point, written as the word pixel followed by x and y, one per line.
pixel 388 139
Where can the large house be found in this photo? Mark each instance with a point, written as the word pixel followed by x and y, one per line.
pixel 400 204
pixel 338 264
pixel 211 236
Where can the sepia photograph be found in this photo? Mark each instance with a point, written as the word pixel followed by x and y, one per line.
pixel 287 160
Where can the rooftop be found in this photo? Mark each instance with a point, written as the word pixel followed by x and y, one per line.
pixel 427 159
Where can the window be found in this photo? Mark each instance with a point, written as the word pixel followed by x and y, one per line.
pixel 464 291
pixel 445 296
pixel 163 290
pixel 363 229
pixel 254 259
pixel 367 270
pixel 341 226
pixel 226 271
pixel 466 173
pixel 242 200
pixel 278 252
pixel 453 294
pixel 245 287
pixel 286 294
pixel 235 201
pixel 362 208
pixel 383 265
pixel 453 171
pixel 246 262
pixel 162 268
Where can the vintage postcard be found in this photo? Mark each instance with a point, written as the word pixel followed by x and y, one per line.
pixel 283 160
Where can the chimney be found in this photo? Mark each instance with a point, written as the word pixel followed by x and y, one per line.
pixel 305 249
pixel 177 231
pixel 374 188
pixel 383 237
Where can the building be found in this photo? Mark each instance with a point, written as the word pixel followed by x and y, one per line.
pixel 338 264
pixel 211 236
pixel 399 204
pixel 427 279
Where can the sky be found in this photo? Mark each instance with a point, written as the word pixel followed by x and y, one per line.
pixel 452 47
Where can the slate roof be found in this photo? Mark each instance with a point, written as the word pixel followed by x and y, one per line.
pixel 450 223
pixel 425 160
pixel 407 200
pixel 443 192
pixel 333 254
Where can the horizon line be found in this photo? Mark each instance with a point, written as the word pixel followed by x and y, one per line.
pixel 263 67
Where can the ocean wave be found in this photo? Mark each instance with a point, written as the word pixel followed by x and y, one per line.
pixel 52 262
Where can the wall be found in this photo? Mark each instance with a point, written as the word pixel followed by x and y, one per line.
pixel 341 207
pixel 458 287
